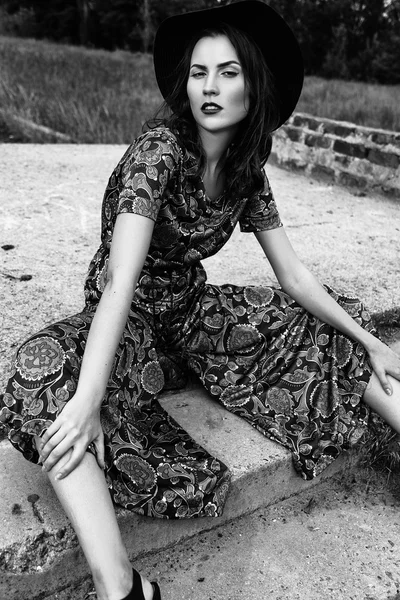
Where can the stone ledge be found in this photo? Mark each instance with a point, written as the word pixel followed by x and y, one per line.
pixel 39 554
pixel 367 157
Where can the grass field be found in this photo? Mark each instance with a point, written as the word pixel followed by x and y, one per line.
pixel 366 104
pixel 95 96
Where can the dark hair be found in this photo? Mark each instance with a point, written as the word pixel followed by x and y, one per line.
pixel 244 160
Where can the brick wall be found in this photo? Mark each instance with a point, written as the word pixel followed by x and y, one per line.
pixel 342 152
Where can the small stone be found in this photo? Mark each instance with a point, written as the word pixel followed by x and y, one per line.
pixel 16 509
pixel 201 579
pixel 32 498
pixel 389 574
pixel 25 277
pixel 310 506
pixel 61 533
pixel 205 557
pixel 8 247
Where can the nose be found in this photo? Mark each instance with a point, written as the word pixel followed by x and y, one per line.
pixel 210 87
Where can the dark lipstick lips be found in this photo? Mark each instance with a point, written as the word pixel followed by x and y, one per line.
pixel 210 105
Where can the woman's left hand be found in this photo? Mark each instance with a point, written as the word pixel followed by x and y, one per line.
pixel 384 362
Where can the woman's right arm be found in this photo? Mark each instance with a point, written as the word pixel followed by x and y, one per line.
pixel 144 173
pixel 129 248
pixel 78 425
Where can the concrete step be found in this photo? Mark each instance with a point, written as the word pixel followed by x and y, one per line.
pixel 39 554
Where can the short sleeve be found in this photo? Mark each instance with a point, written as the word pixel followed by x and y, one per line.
pixel 146 169
pixel 260 212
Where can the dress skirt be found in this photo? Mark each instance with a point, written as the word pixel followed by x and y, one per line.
pixel 262 356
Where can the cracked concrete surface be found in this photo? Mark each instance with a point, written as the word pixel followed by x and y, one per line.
pixel 34 528
pixel 50 215
pixel 37 552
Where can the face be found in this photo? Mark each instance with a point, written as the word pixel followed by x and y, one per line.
pixel 216 85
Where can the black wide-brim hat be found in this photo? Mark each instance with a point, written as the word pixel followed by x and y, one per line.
pixel 263 24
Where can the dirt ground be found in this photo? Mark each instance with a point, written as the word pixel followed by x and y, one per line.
pixel 340 541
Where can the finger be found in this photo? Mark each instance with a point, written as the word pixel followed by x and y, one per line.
pixel 383 380
pixel 50 431
pixel 57 453
pixel 76 457
pixel 49 446
pixel 99 445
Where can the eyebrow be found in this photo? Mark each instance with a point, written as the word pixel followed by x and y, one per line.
pixel 224 64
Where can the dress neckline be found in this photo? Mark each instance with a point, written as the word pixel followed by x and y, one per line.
pixel 192 159
pixel 208 197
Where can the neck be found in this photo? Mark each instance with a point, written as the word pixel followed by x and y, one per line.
pixel 215 146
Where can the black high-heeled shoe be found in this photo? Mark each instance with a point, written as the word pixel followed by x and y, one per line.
pixel 136 592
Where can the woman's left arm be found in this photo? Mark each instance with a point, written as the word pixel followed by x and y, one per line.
pixel 303 286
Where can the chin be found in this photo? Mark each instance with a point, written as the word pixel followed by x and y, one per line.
pixel 215 127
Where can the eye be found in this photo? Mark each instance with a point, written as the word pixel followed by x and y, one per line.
pixel 230 74
pixel 197 74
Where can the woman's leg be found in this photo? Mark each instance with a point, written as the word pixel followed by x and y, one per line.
pixel 86 500
pixel 388 407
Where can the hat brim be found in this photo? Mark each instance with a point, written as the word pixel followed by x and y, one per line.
pixel 263 24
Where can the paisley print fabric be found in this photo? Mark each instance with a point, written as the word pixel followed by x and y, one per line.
pixel 258 353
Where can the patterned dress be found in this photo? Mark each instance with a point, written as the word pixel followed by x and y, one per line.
pixel 258 353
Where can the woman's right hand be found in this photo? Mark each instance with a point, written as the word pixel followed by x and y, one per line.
pixel 75 428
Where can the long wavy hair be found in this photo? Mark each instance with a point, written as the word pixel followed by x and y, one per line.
pixel 244 159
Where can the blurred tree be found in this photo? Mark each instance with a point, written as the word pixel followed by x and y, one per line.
pixel 147 25
pixel 83 13
pixel 117 24
pixel 58 20
pixel 346 38
pixel 385 63
pixel 335 63
pixel 356 39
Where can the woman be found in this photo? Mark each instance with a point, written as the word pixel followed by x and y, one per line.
pixel 299 363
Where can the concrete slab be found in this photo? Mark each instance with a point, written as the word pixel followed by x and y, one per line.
pixel 339 541
pixel 39 554
pixel 51 216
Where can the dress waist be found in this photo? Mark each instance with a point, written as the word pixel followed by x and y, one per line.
pixel 168 286
pixel 169 299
